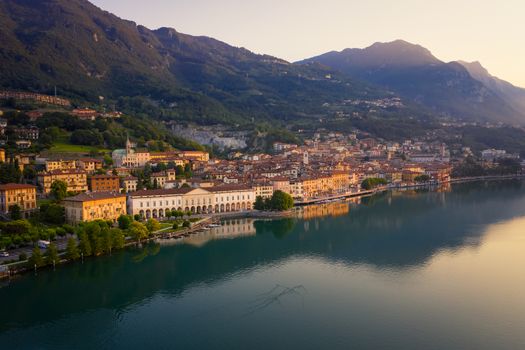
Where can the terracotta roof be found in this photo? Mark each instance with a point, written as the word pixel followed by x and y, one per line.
pixel 104 177
pixel 62 172
pixel 161 192
pixel 228 188
pixel 15 187
pixel 86 197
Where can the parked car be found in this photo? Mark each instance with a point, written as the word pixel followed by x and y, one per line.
pixel 4 254
pixel 43 244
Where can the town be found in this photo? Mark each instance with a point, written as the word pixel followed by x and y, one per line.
pixel 149 185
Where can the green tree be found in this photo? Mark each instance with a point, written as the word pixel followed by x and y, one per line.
pixel 186 223
pixel 179 170
pixel 15 212
pixel 124 221
pixel 118 238
pixel 106 241
pixel 259 203
pixel 17 227
pixel 372 183
pixel 422 178
pixel 281 201
pixel 59 190
pixel 168 213
pixel 175 226
pixel 52 213
pixel 72 252
pixel 36 258
pixel 152 225
pixel 138 231
pixel 51 254
pixel 84 245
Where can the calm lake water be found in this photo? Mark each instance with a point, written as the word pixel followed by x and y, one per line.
pixel 413 270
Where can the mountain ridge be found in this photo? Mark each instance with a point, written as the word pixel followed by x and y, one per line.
pixel 88 52
pixel 412 71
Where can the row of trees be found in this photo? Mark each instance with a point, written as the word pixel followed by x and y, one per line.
pixel 280 201
pixel 95 238
pixel 372 183
pixel 471 167
pixel 18 233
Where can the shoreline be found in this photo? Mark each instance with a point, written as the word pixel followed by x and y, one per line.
pixel 19 267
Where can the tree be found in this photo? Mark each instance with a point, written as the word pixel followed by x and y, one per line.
pixel 84 245
pixel 72 252
pixel 15 212
pixel 36 258
pixel 372 183
pixel 422 178
pixel 186 223
pixel 188 173
pixel 152 225
pixel 168 213
pixel 52 213
pixel 259 203
pixel 118 238
pixel 17 227
pixel 175 226
pixel 59 189
pixel 29 172
pixel 10 172
pixel 138 231
pixel 51 254
pixel 106 241
pixel 91 137
pixel 124 221
pixel 137 217
pixel 281 201
pixel 179 170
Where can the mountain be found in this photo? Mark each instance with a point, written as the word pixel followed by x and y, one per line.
pixel 413 72
pixel 86 53
pixel 512 94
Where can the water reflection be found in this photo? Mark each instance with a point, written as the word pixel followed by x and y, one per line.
pixel 393 231
pixel 228 229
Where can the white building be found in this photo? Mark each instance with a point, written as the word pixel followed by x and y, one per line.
pixel 220 199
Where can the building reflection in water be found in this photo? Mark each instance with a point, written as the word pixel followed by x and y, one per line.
pixel 323 210
pixel 228 229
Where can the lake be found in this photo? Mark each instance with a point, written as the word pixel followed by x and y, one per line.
pixel 440 269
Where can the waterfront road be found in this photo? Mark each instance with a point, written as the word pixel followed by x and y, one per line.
pixel 61 244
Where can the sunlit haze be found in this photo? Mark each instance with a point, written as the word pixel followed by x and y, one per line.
pixel 487 31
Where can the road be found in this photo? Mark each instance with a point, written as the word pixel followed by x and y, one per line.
pixel 61 244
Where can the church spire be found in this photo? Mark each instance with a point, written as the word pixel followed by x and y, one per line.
pixel 128 144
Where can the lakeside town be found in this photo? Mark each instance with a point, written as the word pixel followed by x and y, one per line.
pixel 47 196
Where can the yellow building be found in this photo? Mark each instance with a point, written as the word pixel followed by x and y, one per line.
pixel 263 189
pixel 60 164
pixel 76 180
pixel 17 194
pixel 195 155
pixel 89 164
pixel 94 206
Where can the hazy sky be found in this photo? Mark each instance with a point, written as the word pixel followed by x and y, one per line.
pixel 492 32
